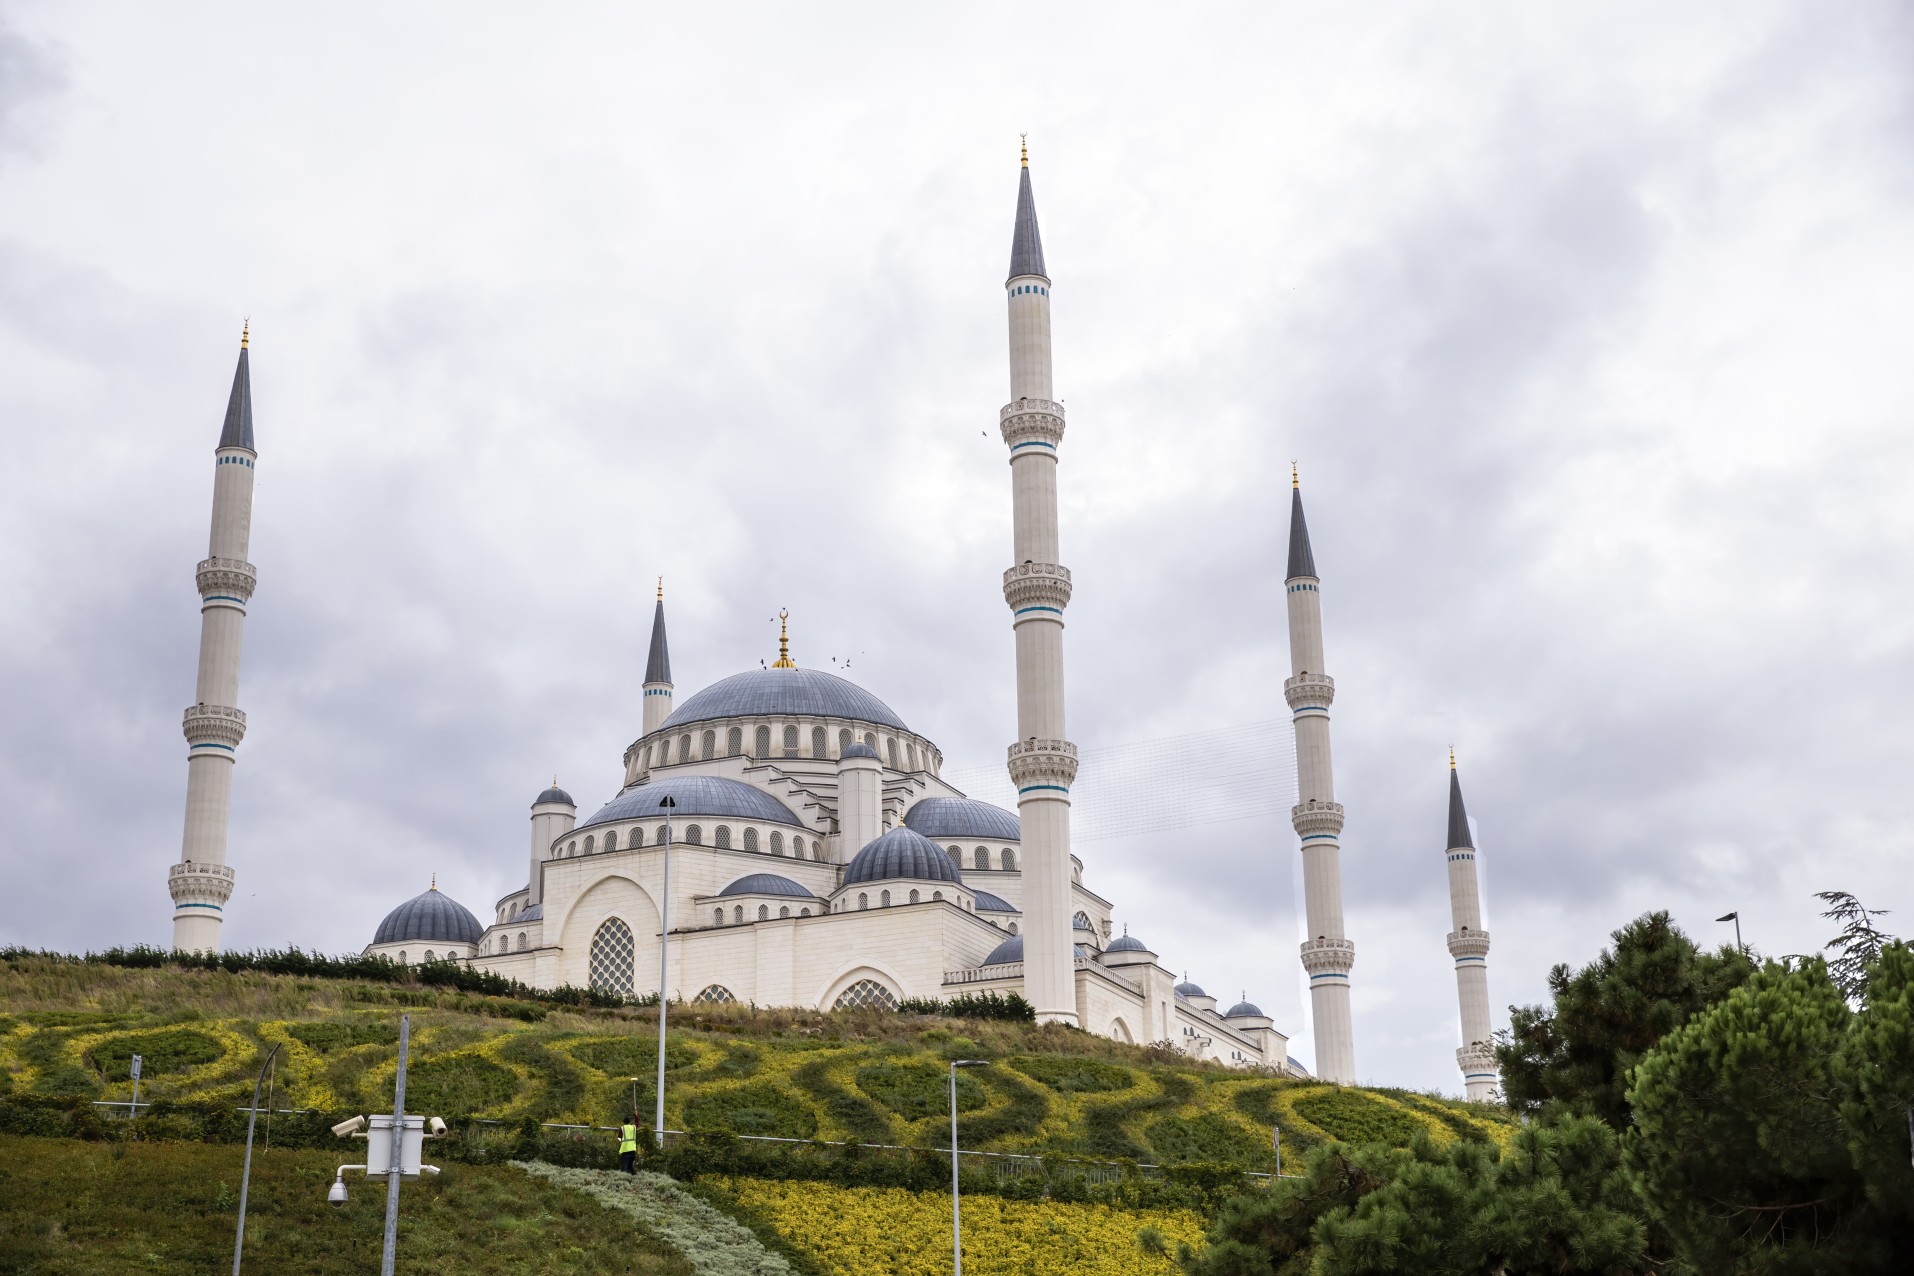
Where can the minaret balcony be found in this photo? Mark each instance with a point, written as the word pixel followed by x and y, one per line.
pixel 1468 943
pixel 1309 690
pixel 1036 762
pixel 1324 956
pixel 199 883
pixel 1477 1057
pixel 1316 818
pixel 214 724
pixel 232 576
pixel 1030 588
pixel 1036 421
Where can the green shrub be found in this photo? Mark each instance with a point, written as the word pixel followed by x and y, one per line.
pixel 458 1086
pixel 66 1078
pixel 1357 1118
pixel 560 1081
pixel 757 1108
pixel 344 1035
pixel 1068 1075
pixel 631 1056
pixel 1023 1108
pixel 918 1090
pixel 858 1115
pixel 1205 1137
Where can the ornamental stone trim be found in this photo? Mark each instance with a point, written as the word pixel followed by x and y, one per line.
pixel 1314 818
pixel 1473 943
pixel 1032 421
pixel 1328 956
pixel 199 883
pixel 1477 1056
pixel 227 576
pixel 1309 690
pixel 1035 761
pixel 1037 585
pixel 214 724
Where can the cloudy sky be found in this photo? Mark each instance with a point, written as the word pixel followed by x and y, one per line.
pixel 1586 323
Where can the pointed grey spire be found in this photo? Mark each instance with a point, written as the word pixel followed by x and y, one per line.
pixel 238 430
pixel 658 666
pixel 1458 814
pixel 1026 245
pixel 1301 561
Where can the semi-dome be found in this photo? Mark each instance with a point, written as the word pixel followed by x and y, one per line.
pixel 696 795
pixel 784 693
pixel 1127 943
pixel 1008 951
pixel 1242 1008
pixel 1188 989
pixel 554 794
pixel 902 853
pixel 962 817
pixel 766 884
pixel 861 750
pixel 433 917
pixel 988 903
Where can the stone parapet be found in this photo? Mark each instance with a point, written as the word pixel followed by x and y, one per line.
pixel 1032 421
pixel 1329 956
pixel 1314 818
pixel 1035 761
pixel 214 724
pixel 1476 1057
pixel 230 576
pixel 1309 690
pixel 1473 943
pixel 1034 585
pixel 192 883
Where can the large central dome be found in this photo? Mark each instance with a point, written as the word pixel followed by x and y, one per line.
pixel 784 693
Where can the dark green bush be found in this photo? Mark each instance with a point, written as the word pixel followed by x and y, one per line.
pixel 1074 1076
pixel 1356 1118
pixel 757 1108
pixel 174 1050
pixel 336 1035
pixel 858 1115
pixel 918 1090
pixel 632 1056
pixel 458 1085
pixel 1206 1137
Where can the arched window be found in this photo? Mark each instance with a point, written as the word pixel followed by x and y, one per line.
pixel 818 745
pixel 870 739
pixel 936 895
pixel 863 902
pixel 865 993
pixel 784 910
pixel 1082 922
pixel 737 914
pixel 913 894
pixel 588 843
pixel 611 840
pixel 763 749
pixel 514 913
pixel 661 835
pixel 890 750
pixel 723 838
pixel 913 756
pixel 684 748
pixel 885 899
pixel 843 740
pixel 764 912
pixel 521 941
pixel 715 995
pixel 717 917
pixel 430 955
pixel 1013 928
pixel 709 744
pixel 572 849
pixel 402 956
pixel 777 842
pixel 804 912
pixel 644 763
pixel 790 741
pixel 611 958
pixel 734 742
pixel 1010 860
pixel 694 836
pixel 983 858
pixel 750 839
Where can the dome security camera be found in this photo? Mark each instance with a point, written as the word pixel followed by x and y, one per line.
pixel 337 1195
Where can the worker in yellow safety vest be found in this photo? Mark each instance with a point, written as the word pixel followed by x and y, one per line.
pixel 628 1145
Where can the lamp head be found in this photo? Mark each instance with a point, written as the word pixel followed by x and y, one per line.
pixel 337 1195
pixel 969 1063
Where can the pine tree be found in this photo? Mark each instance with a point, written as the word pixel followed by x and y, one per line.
pixel 1859 943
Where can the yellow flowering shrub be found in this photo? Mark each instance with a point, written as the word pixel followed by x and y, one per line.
pixel 887 1231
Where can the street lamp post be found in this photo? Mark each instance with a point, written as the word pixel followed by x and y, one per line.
pixel 1735 917
pixel 956 1208
pixel 245 1175
pixel 669 804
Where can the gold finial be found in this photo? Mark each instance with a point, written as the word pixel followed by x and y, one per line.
pixel 784 642
pixel 1452 757
pixel 1295 476
pixel 554 779
pixel 435 881
pixel 661 589
pixel 245 331
pixel 1023 140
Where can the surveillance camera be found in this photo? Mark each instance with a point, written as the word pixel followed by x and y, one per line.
pixel 338 1193
pixel 437 1125
pixel 349 1127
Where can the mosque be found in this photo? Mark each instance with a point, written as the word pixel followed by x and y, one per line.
pixel 791 838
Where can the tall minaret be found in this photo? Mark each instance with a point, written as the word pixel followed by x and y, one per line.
pixel 657 670
pixel 1042 762
pixel 1469 945
pixel 201 883
pixel 1327 953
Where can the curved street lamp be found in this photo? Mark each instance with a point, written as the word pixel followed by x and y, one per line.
pixel 956 1209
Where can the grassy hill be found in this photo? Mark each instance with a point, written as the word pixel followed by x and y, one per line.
pixel 69 1028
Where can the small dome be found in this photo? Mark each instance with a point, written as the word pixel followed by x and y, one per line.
pixel 554 794
pixel 1008 951
pixel 696 795
pixel 536 913
pixel 431 917
pixel 1188 989
pixel 1297 1064
pixel 766 884
pixel 860 750
pixel 1127 943
pixel 1242 1008
pixel 988 903
pixel 902 853
pixel 963 817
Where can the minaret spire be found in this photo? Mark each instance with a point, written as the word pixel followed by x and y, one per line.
pixel 1469 945
pixel 784 660
pixel 657 669
pixel 1327 953
pixel 1043 762
pixel 201 883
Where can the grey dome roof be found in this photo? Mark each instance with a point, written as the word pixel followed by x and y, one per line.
pixel 536 913
pixel 902 853
pixel 860 750
pixel 554 794
pixel 1008 951
pixel 1242 1008
pixel 1297 1064
pixel 962 817
pixel 766 884
pixel 789 693
pixel 988 903
pixel 696 795
pixel 433 917
pixel 1188 989
pixel 1127 943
